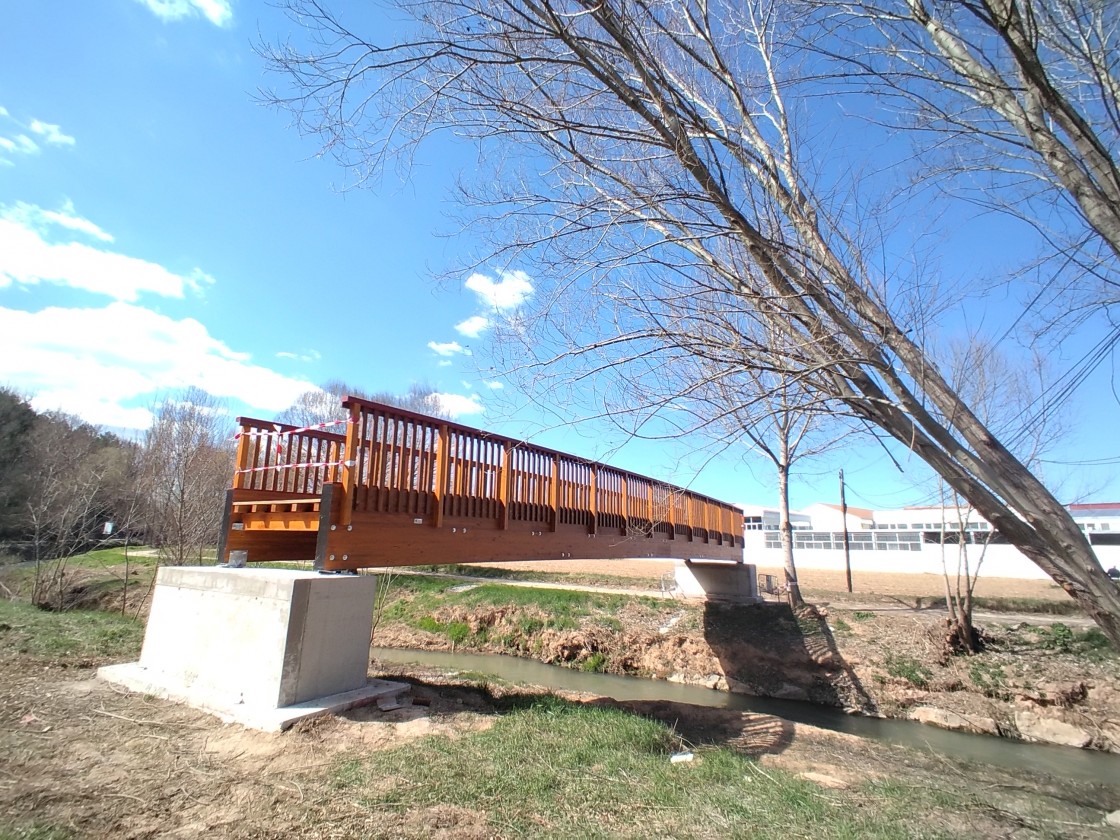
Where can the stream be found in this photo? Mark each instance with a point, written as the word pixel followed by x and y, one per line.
pixel 1087 765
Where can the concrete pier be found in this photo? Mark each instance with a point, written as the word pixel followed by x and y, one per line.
pixel 717 580
pixel 260 647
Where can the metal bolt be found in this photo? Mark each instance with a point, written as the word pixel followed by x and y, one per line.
pixel 332 556
pixel 349 527
pixel 345 556
pixel 334 527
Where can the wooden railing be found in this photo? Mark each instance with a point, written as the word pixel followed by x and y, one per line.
pixel 398 462
pixel 355 499
pixel 279 458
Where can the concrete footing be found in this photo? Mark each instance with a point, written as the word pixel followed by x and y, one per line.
pixel 260 647
pixel 716 580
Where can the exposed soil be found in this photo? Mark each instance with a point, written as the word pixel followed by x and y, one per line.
pixel 867 585
pixel 75 752
pixel 877 658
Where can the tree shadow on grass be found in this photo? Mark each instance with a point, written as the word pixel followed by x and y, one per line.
pixel 767 650
pixel 745 732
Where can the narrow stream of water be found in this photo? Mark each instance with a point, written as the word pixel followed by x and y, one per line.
pixel 1060 761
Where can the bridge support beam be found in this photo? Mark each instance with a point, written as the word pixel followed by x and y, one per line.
pixel 260 647
pixel 718 580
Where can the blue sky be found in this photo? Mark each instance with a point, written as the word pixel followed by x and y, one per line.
pixel 159 228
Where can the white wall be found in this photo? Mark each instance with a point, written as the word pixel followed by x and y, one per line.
pixel 1000 560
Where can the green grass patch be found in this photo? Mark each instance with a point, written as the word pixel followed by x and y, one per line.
pixel 596 663
pixel 81 634
pixel 910 669
pixel 548 768
pixel 105 557
pixel 416 597
pixel 578 578
pixel 863 615
pixel 989 677
pixel 1060 638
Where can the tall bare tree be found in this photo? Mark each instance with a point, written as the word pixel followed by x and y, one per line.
pixel 1018 105
pixel 186 464
pixel 664 182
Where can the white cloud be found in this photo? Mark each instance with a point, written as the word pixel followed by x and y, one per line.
pixel 27 258
pixel 218 12
pixel 305 356
pixel 443 363
pixel 52 134
pixel 511 290
pixel 459 406
pixel 473 326
pixel 99 363
pixel 448 348
pixel 20 145
pixel 493 386
pixel 36 218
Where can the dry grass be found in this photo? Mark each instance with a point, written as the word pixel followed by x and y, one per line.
pixel 813 581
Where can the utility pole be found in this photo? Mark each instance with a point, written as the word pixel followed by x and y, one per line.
pixel 847 547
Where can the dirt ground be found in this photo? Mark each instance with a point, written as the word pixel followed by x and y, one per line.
pixel 872 585
pixel 77 753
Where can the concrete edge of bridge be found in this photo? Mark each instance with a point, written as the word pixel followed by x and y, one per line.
pixel 135 677
pixel 260 647
pixel 718 580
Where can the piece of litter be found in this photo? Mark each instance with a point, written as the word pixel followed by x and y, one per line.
pixel 680 758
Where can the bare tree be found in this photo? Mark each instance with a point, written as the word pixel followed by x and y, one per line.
pixel 77 475
pixel 778 417
pixel 1001 391
pixel 324 404
pixel 186 466
pixel 1018 105
pixel 665 183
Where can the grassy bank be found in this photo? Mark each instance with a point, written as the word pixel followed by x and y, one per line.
pixel 74 637
pixel 474 760
pixel 552 768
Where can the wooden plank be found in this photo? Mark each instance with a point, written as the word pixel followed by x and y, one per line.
pixel 392 541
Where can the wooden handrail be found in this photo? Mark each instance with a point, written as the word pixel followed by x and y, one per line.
pixel 405 462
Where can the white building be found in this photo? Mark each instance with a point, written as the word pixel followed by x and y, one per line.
pixel 921 540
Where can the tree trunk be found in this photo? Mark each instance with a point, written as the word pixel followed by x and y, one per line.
pixel 793 588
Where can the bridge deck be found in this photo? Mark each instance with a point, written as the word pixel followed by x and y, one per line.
pixel 403 489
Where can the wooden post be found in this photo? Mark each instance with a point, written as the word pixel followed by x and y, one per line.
pixel 440 482
pixel 594 500
pixel 350 466
pixel 625 505
pixel 504 479
pixel 242 458
pixel 554 492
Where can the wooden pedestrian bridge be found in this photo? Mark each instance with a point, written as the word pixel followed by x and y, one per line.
pixel 403 489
